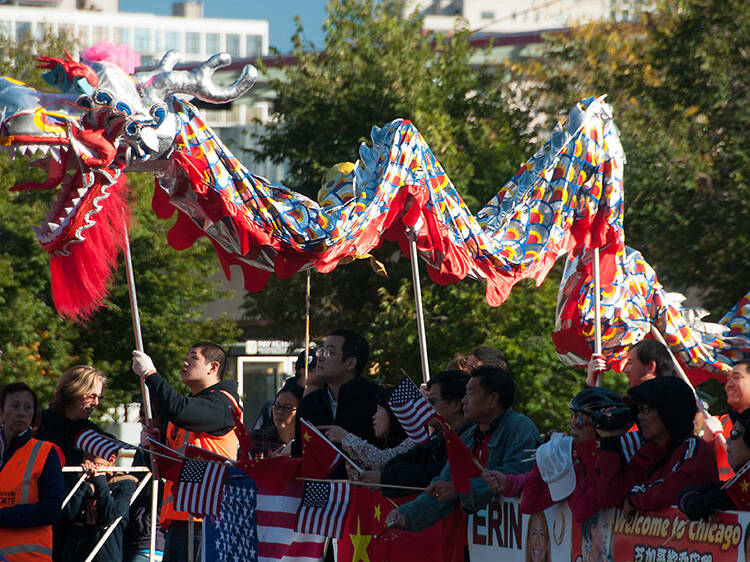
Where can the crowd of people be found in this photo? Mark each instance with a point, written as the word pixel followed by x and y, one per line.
pixel 642 451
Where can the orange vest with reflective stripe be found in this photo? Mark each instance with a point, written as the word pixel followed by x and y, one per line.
pixel 177 438
pixel 18 485
pixel 722 461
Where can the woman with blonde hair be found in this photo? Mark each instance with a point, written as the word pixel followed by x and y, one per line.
pixel 79 391
pixel 537 539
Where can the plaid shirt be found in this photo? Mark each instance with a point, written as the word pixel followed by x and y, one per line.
pixel 265 441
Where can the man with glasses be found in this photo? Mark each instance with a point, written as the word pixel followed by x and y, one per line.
pixel 347 399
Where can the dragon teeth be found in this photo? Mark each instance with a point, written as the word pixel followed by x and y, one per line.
pixel 52 226
pixel 54 151
pixel 82 191
pixel 75 201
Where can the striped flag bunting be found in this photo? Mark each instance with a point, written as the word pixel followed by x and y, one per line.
pixel 254 524
pixel 200 487
pixel 98 444
pixel 412 410
pixel 323 508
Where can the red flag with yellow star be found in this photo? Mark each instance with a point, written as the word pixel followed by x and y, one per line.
pixel 366 539
pixel 462 462
pixel 319 456
pixel 738 488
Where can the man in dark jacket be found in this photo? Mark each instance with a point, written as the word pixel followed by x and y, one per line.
pixel 203 418
pixel 418 466
pixel 347 400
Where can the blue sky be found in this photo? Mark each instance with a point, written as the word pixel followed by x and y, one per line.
pixel 279 13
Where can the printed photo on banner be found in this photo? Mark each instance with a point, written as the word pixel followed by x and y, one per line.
pixel 502 532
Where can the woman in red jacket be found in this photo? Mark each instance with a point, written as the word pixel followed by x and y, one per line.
pixel 671 458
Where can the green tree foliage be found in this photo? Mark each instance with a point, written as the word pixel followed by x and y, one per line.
pixel 36 345
pixel 678 83
pixel 376 66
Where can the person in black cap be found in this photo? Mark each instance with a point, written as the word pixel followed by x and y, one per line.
pixel 671 458
pixel 265 416
pixel 699 502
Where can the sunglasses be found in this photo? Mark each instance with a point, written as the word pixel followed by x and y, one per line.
pixel 736 434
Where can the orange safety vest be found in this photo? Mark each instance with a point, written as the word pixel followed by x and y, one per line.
pixel 722 461
pixel 18 486
pixel 178 438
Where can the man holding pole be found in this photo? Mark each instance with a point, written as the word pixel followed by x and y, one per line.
pixel 203 418
pixel 737 389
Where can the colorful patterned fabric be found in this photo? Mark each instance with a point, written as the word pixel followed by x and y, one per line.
pixel 631 303
pixel 565 197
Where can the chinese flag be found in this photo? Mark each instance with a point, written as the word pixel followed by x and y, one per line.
pixel 739 490
pixel 319 456
pixel 271 473
pixel 462 462
pixel 366 538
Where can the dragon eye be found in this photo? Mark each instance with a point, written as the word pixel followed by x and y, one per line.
pixel 159 113
pixel 85 102
pixel 103 97
pixel 125 108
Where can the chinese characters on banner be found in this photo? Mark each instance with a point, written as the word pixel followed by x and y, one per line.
pixel 502 532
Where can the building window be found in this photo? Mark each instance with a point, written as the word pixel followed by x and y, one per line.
pixel 488 15
pixel 213 43
pixel 23 28
pixel 99 34
pixel 254 45
pixel 157 41
pixel 192 42
pixel 142 40
pixel 122 35
pixel 172 40
pixel 233 44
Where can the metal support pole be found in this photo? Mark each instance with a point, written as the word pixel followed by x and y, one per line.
pixel 412 236
pixel 681 373
pixel 135 315
pixel 116 522
pixel 597 312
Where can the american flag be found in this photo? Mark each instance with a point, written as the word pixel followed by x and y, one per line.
pixel 323 508
pixel 412 410
pixel 99 445
pixel 200 487
pixel 255 525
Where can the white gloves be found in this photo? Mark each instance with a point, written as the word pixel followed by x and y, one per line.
pixel 712 427
pixel 143 366
pixel 595 366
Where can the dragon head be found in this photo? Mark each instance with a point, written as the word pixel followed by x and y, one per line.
pixel 101 123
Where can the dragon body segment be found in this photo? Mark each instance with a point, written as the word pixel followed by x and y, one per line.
pixel 565 197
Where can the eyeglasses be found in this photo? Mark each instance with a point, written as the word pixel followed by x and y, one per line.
pixel 327 352
pixel 283 408
pixel 735 434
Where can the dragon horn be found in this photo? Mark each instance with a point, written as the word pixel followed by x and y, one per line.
pixel 163 82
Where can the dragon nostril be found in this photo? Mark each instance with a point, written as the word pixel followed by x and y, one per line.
pixel 85 102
